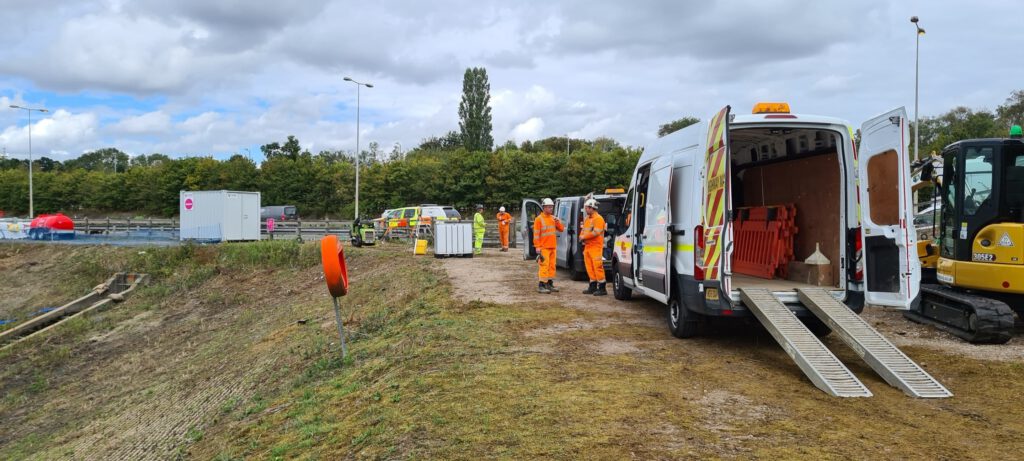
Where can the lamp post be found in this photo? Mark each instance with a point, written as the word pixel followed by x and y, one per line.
pixel 358 85
pixel 917 73
pixel 31 207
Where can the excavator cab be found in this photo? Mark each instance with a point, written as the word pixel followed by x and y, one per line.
pixel 980 249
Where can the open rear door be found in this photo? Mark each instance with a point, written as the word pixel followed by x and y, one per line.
pixel 531 208
pixel 717 256
pixel 891 272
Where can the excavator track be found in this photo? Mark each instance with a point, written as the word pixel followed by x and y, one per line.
pixel 976 319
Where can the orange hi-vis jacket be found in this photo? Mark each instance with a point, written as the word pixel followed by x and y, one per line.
pixel 592 232
pixel 544 229
pixel 504 219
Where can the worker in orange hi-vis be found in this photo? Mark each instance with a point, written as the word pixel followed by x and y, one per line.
pixel 592 235
pixel 545 241
pixel 504 221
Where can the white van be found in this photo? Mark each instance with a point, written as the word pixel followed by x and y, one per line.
pixel 676 243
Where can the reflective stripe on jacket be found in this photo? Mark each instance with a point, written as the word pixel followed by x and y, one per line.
pixel 544 231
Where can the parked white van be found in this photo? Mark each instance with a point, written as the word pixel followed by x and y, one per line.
pixel 675 242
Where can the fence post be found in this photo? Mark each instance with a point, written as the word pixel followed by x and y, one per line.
pixel 87 225
pixel 108 225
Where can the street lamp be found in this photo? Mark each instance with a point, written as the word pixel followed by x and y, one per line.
pixel 31 207
pixel 917 73
pixel 358 85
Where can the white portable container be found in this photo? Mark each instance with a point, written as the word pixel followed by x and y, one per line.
pixel 453 239
pixel 219 216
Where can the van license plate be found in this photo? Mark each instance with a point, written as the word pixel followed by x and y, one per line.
pixel 711 294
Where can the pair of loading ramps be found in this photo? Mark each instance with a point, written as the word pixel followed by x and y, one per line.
pixel 114 290
pixel 826 371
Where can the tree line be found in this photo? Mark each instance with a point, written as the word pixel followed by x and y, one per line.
pixel 322 184
pixel 457 168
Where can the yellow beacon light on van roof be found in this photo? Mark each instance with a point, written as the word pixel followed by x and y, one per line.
pixel 771 108
pixel 617 190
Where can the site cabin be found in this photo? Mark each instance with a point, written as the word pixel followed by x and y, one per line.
pixel 676 242
pixel 569 253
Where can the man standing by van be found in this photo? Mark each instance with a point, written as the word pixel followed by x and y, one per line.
pixel 479 226
pixel 504 220
pixel 592 235
pixel 545 241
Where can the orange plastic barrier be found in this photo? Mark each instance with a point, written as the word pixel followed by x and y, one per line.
pixel 335 271
pixel 763 239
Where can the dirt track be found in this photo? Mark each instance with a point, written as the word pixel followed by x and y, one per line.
pixel 741 396
pixel 505 278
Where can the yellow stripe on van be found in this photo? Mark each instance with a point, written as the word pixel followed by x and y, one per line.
pixel 654 249
pixel 684 247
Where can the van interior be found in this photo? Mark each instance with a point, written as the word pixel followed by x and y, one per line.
pixel 801 167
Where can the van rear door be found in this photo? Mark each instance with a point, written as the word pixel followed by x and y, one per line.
pixel 531 208
pixel 717 236
pixel 655 251
pixel 891 272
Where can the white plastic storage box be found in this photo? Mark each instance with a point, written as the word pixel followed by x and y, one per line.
pixel 219 215
pixel 453 239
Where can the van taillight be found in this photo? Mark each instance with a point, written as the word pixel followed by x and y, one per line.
pixel 698 253
pixel 858 255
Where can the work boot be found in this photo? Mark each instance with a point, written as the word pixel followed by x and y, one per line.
pixel 601 291
pixel 551 286
pixel 543 288
pixel 590 289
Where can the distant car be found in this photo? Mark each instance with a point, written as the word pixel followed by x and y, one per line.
pixel 411 216
pixel 279 212
pixel 440 213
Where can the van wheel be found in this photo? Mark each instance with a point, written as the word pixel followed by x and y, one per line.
pixel 619 289
pixel 681 322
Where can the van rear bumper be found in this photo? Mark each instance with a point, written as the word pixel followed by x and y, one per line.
pixel 696 299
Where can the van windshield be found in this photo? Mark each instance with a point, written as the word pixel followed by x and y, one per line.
pixel 452 213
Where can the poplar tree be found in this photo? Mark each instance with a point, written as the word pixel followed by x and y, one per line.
pixel 475 111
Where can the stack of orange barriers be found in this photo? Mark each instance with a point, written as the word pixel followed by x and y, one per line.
pixel 764 240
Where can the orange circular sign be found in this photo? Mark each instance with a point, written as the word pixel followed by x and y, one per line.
pixel 335 271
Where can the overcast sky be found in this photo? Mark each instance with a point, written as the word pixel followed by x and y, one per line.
pixel 200 77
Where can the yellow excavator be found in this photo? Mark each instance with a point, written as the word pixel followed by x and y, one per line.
pixel 973 270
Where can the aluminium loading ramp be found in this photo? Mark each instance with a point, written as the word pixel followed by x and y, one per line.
pixel 813 358
pixel 889 362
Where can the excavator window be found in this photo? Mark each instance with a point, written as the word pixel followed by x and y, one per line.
pixel 977 179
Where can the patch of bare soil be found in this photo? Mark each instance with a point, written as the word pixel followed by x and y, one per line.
pixel 902 332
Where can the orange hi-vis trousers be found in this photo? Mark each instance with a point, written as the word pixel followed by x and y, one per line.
pixel 503 235
pixel 546 264
pixel 595 266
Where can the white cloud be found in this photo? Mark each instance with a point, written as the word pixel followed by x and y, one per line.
pixel 148 123
pixel 55 135
pixel 528 130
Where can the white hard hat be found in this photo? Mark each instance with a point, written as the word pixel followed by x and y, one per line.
pixel 502 209
pixel 547 202
pixel 590 203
